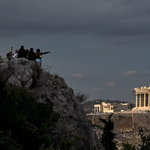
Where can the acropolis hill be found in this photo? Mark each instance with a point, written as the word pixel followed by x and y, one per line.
pixel 126 123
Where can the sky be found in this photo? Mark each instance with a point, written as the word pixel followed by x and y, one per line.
pixel 100 47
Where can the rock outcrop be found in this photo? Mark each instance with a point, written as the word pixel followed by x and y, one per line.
pixel 126 126
pixel 25 73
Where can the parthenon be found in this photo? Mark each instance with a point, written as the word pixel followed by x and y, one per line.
pixel 142 98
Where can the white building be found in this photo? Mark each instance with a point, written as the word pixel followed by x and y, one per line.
pixel 108 107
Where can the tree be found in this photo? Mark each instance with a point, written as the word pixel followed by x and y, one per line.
pixel 108 135
pixel 81 96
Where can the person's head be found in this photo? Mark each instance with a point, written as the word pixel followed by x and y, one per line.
pixel 31 49
pixel 22 47
pixel 27 51
pixel 38 50
pixel 16 51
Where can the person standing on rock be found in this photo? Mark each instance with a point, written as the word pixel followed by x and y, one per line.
pixel 31 55
pixel 39 56
pixel 22 52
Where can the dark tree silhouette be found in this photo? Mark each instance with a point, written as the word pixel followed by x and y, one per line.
pixel 108 136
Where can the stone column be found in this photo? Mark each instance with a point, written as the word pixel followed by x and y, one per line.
pixel 148 99
pixel 144 99
pixel 136 100
pixel 140 100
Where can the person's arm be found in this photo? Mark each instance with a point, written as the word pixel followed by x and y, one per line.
pixel 45 53
pixel 11 51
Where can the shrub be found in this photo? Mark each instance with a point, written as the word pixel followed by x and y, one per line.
pixel 128 146
pixel 81 96
pixel 26 123
pixel 6 141
pixel 27 119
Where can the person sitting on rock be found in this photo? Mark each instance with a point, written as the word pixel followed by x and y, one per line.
pixel 31 55
pixel 39 56
pixel 15 54
pixel 22 52
pixel 9 54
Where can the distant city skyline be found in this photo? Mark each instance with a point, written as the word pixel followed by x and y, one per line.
pixel 100 47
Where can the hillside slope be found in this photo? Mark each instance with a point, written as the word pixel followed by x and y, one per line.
pixel 72 120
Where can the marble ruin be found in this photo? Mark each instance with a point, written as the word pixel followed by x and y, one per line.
pixel 108 107
pixel 142 98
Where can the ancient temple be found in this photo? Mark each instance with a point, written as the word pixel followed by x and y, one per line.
pixel 111 107
pixel 142 98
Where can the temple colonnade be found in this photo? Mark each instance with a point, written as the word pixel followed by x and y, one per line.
pixel 142 98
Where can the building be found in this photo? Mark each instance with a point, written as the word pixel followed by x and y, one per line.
pixel 142 98
pixel 108 107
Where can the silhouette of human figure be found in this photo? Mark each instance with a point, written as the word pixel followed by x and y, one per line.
pixel 22 52
pixel 10 54
pixel 39 56
pixel 31 55
pixel 27 51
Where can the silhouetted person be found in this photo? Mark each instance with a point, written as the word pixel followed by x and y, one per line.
pixel 27 52
pixel 39 56
pixel 22 52
pixel 31 55
pixel 10 54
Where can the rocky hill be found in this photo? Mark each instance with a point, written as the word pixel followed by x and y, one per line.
pixel 25 73
pixel 126 126
pixel 89 105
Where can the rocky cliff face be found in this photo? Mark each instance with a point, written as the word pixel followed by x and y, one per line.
pixel 24 73
pixel 126 126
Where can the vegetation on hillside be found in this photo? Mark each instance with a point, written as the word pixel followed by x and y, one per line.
pixel 81 97
pixel 26 123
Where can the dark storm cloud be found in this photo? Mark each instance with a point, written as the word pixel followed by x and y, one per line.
pixel 102 17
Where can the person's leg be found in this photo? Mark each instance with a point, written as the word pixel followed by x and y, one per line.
pixel 39 61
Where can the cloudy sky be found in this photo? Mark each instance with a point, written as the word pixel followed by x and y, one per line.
pixel 100 47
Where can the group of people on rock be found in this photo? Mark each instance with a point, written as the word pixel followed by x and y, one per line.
pixel 30 55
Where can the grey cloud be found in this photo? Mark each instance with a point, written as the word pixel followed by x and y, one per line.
pixel 102 17
pixel 135 72
pixel 77 75
pixel 109 84
pixel 132 72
